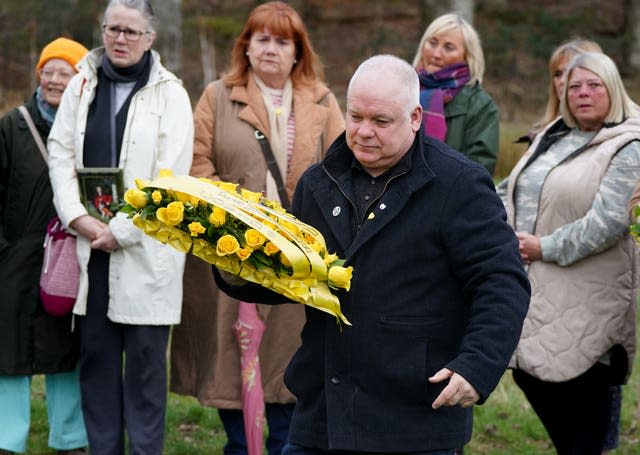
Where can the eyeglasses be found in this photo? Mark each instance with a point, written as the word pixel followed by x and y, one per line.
pixel 49 75
pixel 113 31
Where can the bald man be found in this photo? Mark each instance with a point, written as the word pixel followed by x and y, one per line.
pixel 438 295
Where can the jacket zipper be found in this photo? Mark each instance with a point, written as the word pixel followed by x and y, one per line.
pixel 384 190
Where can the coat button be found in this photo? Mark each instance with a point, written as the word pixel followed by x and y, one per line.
pixel 335 380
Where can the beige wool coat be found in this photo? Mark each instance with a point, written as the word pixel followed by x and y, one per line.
pixel 205 358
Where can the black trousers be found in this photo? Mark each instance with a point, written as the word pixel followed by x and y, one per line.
pixel 291 449
pixel 278 419
pixel 575 413
pixel 123 375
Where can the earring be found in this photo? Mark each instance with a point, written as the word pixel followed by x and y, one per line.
pixel 295 60
pixel 246 53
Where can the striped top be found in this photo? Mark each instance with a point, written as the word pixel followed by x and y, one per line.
pixel 276 99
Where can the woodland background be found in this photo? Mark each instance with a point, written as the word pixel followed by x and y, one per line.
pixel 195 38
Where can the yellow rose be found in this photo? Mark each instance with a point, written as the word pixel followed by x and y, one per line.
pixel 330 258
pixel 270 249
pixel 315 244
pixel 196 229
pixel 291 229
pixel 187 198
pixel 227 186
pixel 317 247
pixel 141 183
pixel 284 260
pixel 217 217
pixel 269 225
pixel 340 276
pixel 156 197
pixel 250 195
pixel 172 214
pixel 136 198
pixel 227 244
pixel 244 253
pixel 165 173
pixel 254 238
pixel 275 205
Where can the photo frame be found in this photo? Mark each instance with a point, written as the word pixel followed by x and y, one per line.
pixel 101 191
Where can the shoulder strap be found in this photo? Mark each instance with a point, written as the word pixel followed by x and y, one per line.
pixel 34 132
pixel 273 168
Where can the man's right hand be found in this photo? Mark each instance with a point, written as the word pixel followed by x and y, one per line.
pixel 457 392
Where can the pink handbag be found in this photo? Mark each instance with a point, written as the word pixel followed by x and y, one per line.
pixel 60 274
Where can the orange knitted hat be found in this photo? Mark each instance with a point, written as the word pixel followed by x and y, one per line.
pixel 62 48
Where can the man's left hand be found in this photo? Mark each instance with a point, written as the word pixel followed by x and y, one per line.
pixel 457 392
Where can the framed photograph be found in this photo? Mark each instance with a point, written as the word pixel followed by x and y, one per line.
pixel 101 190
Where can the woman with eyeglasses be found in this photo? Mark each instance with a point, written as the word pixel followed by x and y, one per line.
pixel 125 111
pixel 31 340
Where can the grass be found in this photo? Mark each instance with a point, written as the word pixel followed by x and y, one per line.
pixel 510 152
pixel 505 425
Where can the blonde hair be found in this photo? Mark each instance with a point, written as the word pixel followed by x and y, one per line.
pixel 565 51
pixel 472 47
pixel 620 104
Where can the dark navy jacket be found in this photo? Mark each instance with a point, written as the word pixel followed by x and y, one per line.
pixel 438 282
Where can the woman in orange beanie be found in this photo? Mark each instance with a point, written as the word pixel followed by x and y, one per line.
pixel 31 340
pixel 64 49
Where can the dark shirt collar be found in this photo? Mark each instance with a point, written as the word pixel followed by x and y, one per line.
pixel 367 189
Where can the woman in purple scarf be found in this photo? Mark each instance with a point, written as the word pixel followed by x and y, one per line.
pixel 457 110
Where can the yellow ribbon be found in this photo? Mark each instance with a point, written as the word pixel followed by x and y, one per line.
pixel 307 284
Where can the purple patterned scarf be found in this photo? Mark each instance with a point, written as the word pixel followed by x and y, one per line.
pixel 436 90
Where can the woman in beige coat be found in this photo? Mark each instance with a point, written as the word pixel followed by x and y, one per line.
pixel 274 86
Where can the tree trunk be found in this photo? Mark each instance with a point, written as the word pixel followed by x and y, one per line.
pixel 634 42
pixel 169 30
pixel 207 56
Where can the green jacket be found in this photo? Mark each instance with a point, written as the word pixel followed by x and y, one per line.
pixel 473 125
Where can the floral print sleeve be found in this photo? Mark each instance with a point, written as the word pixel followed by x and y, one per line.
pixel 606 221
